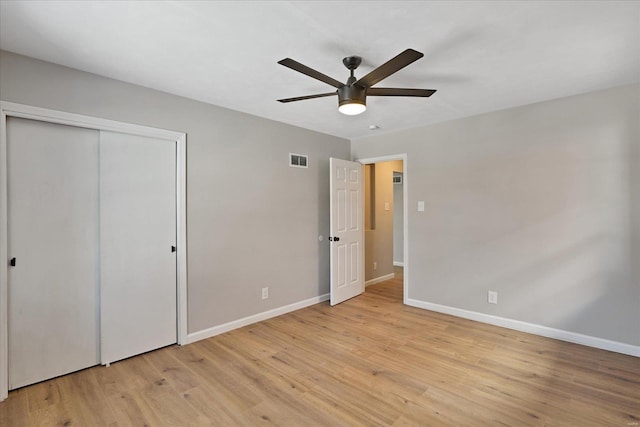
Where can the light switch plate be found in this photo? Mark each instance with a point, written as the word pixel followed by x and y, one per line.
pixel 421 206
pixel 492 297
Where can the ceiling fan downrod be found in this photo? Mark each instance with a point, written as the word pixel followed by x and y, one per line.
pixel 351 62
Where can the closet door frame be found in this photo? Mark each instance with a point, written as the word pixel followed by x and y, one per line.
pixel 9 109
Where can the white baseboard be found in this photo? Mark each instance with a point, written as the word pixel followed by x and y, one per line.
pixel 398 264
pixel 235 324
pixel 530 328
pixel 379 279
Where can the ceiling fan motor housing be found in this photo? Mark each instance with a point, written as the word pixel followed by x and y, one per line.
pixel 352 94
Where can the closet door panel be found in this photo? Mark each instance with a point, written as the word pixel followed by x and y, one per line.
pixel 53 235
pixel 138 230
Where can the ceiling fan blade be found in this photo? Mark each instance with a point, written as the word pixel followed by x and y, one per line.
pixel 302 98
pixel 301 68
pixel 390 67
pixel 388 91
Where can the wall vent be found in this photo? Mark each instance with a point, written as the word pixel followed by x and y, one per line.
pixel 298 160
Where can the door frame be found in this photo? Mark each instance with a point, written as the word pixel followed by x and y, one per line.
pixel 405 213
pixel 9 109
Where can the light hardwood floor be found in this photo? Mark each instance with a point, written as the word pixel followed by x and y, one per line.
pixel 369 361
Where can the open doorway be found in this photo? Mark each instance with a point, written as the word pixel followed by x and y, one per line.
pixel 385 221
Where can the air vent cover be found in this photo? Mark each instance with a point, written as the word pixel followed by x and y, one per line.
pixel 298 160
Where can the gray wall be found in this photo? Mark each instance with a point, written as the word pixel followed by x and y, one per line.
pixel 252 221
pixel 539 203
pixel 398 221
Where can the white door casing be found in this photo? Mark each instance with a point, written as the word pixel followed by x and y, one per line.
pixel 137 237
pixel 347 230
pixel 53 240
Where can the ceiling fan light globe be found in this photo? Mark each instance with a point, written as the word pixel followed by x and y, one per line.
pixel 352 108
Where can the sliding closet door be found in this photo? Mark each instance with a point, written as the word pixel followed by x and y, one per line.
pixel 138 230
pixel 53 242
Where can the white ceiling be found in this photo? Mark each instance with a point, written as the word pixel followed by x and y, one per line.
pixel 481 56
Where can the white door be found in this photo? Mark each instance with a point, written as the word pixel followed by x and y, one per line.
pixel 347 230
pixel 138 231
pixel 53 242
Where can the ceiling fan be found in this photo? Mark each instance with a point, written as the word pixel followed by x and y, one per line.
pixel 352 95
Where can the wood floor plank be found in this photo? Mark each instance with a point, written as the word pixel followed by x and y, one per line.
pixel 180 378
pixel 370 361
pixel 233 391
pixel 15 411
pixel 84 399
pixel 123 398
pixel 42 395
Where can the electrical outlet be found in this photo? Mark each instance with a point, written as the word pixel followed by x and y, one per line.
pixel 265 293
pixel 375 265
pixel 492 297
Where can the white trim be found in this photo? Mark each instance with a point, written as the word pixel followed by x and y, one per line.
pixel 398 264
pixel 405 213
pixel 235 324
pixel 379 279
pixel 78 120
pixel 4 318
pixel 9 109
pixel 530 328
pixel 181 237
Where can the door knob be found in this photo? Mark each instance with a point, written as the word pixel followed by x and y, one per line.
pixel 12 262
pixel 334 239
